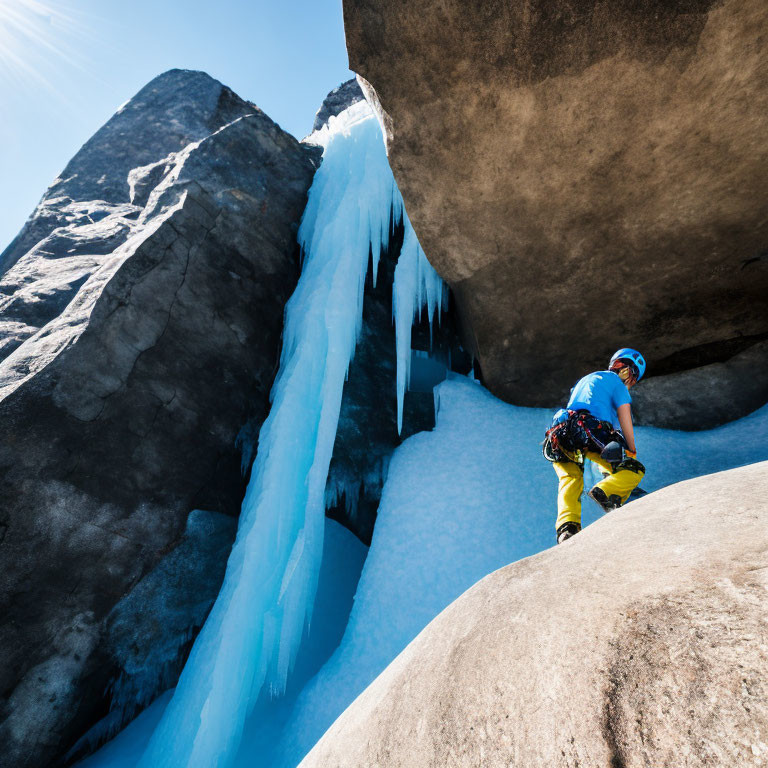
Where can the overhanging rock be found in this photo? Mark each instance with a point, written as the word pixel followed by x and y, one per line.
pixel 586 176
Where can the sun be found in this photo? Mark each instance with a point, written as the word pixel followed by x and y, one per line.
pixel 34 36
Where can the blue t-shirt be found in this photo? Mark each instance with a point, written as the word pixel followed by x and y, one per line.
pixel 600 393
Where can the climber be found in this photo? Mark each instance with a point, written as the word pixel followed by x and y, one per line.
pixel 587 429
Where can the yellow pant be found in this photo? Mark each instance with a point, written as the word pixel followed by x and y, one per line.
pixel 571 476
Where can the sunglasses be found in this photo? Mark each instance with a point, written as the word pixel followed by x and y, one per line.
pixel 633 370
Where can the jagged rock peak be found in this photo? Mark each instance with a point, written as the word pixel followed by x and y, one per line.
pixel 339 99
pixel 185 106
pixel 140 318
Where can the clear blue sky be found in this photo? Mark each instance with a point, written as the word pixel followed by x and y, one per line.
pixel 67 65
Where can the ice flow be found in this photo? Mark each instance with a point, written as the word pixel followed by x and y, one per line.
pixel 252 635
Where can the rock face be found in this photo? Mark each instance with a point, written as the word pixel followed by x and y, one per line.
pixel 707 396
pixel 150 631
pixel 642 641
pixel 339 99
pixel 141 327
pixel 586 176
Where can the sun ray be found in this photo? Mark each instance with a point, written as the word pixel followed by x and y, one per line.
pixel 37 38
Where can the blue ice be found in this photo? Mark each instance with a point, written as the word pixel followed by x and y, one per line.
pixel 249 643
pixel 342 562
pixel 459 502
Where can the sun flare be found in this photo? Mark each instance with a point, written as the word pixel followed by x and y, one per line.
pixel 35 38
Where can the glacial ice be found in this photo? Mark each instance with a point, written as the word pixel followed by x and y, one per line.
pixel 343 558
pixel 249 643
pixel 416 286
pixel 348 486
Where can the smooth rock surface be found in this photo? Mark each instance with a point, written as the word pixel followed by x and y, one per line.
pixel 142 318
pixel 586 176
pixel 642 641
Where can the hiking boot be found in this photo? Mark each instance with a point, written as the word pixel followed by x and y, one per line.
pixel 608 503
pixel 566 530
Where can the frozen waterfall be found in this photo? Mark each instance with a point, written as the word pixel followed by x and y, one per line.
pixel 417 285
pixel 250 640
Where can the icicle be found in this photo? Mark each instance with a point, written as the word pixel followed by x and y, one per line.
pixel 416 285
pixel 250 640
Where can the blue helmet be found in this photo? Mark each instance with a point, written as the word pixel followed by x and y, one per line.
pixel 631 356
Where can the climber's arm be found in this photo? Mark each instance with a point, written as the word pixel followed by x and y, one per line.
pixel 625 421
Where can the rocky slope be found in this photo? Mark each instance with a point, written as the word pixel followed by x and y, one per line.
pixel 706 396
pixel 642 641
pixel 585 176
pixel 339 99
pixel 140 323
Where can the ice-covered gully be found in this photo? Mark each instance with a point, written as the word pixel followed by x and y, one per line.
pixel 253 633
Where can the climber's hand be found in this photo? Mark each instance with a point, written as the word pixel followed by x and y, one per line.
pixel 630 454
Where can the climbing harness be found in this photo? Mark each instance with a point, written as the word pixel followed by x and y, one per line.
pixel 573 433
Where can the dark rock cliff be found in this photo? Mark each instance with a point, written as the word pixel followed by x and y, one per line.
pixel 339 99
pixel 706 396
pixel 586 176
pixel 140 324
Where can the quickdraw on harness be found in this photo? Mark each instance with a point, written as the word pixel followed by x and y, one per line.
pixel 573 432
